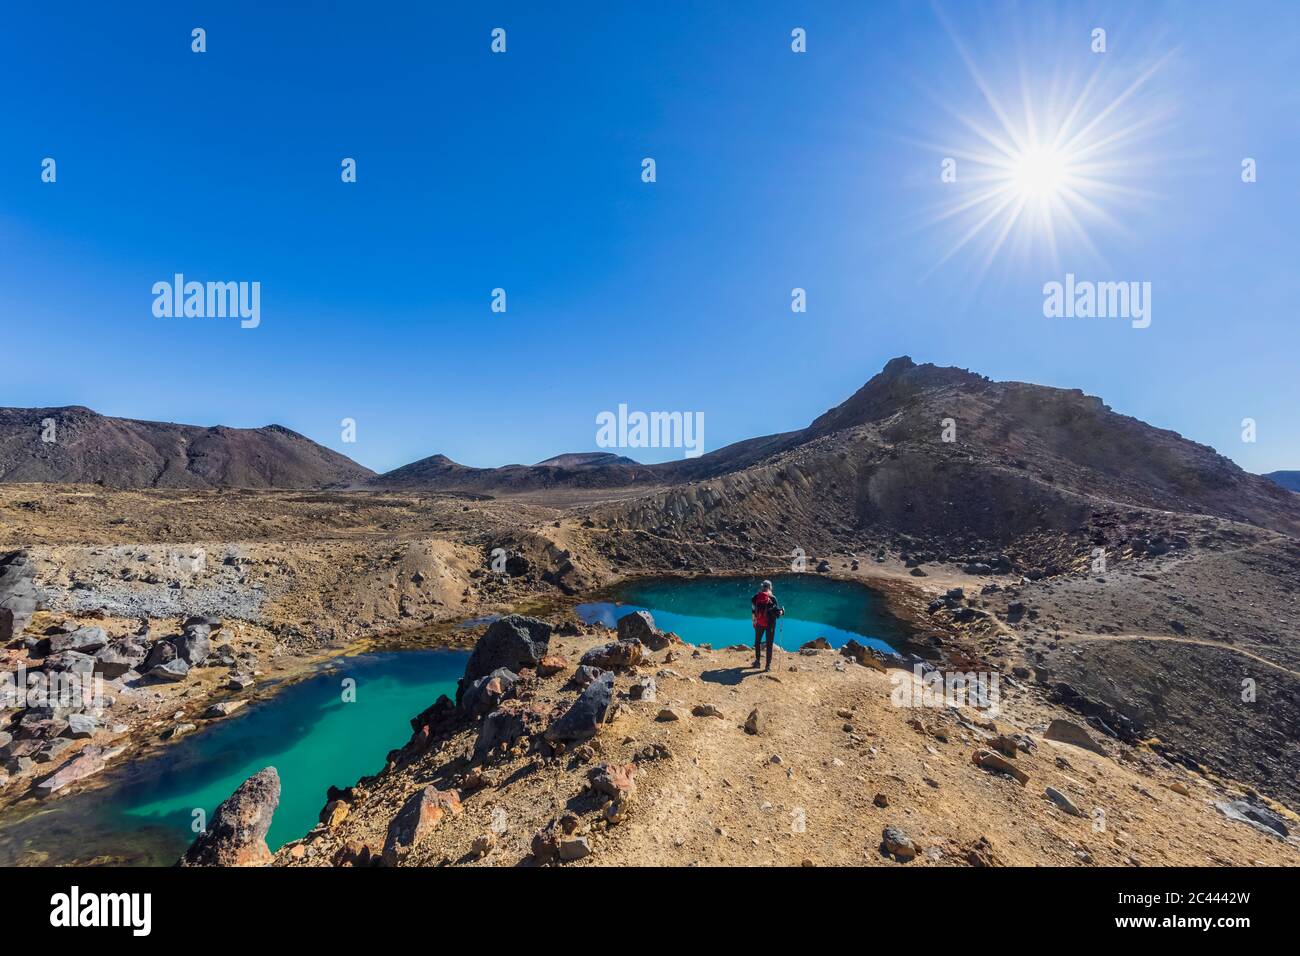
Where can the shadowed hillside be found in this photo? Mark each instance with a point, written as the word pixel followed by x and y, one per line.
pixel 1022 457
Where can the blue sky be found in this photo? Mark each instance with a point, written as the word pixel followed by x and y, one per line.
pixel 775 170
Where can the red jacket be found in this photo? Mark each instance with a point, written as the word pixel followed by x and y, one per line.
pixel 760 603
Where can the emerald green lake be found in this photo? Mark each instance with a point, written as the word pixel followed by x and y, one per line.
pixel 307 731
pixel 716 610
pixel 315 738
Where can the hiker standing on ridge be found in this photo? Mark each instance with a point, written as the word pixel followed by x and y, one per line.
pixel 765 613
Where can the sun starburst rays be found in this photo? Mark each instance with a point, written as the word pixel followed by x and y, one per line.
pixel 1044 165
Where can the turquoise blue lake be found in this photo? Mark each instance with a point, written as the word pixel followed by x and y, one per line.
pixel 307 731
pixel 315 738
pixel 716 610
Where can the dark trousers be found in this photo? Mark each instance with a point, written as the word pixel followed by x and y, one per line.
pixel 759 630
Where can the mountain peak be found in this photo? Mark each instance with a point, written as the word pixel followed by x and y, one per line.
pixel 585 459
pixel 896 366
pixel 900 381
pixel 90 448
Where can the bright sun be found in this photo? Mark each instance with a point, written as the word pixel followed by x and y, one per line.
pixel 1040 173
pixel 1033 165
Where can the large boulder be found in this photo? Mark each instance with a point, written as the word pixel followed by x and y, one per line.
pixel 505 725
pixel 193 645
pixel 119 656
pixel 640 626
pixel 173 672
pixel 87 640
pixel 160 652
pixel 72 662
pixel 614 655
pixel 583 719
pixel 488 691
pixel 17 595
pixel 419 817
pixel 1065 732
pixel 236 834
pixel 512 642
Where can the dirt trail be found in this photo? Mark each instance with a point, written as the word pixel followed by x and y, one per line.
pixel 804 789
pixel 1075 637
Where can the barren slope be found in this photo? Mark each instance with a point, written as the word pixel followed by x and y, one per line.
pixel 89 448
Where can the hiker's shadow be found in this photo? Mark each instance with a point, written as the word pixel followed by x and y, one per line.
pixel 730 676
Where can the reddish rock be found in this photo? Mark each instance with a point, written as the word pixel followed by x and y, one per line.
pixel 507 724
pixel 419 817
pixel 546 842
pixel 614 780
pixel 615 655
pixel 979 853
pixel 552 664
pixel 86 764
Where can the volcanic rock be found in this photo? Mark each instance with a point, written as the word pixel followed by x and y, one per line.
pixel 236 834
pixel 419 817
pixel 511 642
pixel 615 655
pixel 584 718
pixel 17 595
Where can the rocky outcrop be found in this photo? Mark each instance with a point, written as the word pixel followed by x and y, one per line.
pixel 236 834
pixel 119 656
pixel 87 640
pixel 582 721
pixel 614 655
pixel 1062 731
pixel 640 626
pixel 513 720
pixel 1256 815
pixel 488 691
pixel 194 644
pixel 17 595
pixel 512 642
pixel 171 658
pixel 419 817
pixel 864 655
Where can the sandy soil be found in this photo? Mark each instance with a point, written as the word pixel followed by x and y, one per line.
pixel 803 791
pixel 300 577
